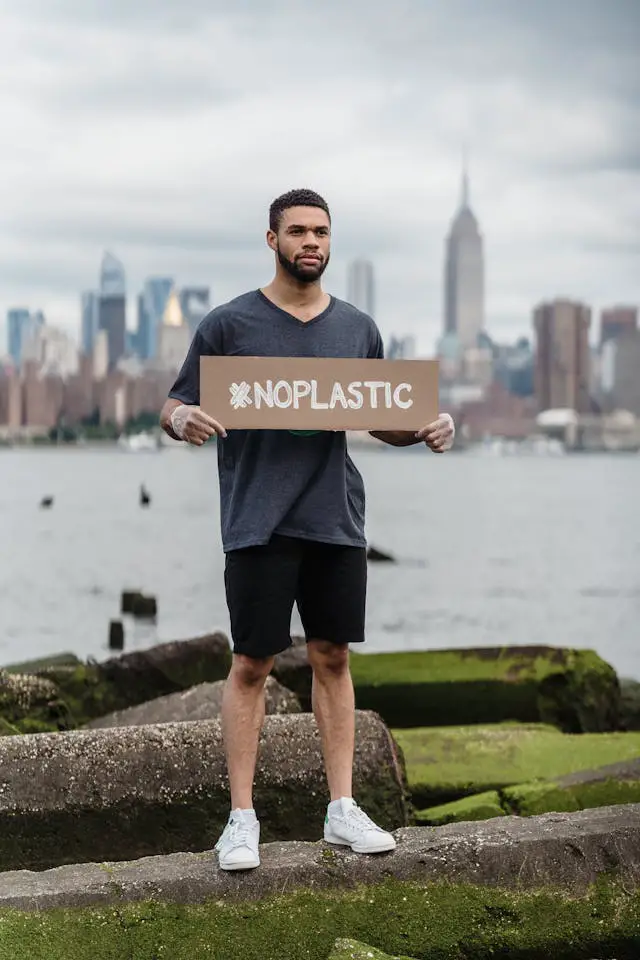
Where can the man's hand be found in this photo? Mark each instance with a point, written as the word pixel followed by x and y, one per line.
pixel 193 425
pixel 439 435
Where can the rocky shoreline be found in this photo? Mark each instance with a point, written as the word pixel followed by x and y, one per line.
pixel 511 777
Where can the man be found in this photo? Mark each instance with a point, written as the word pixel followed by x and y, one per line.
pixel 292 517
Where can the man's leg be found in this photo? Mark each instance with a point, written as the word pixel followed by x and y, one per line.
pixel 242 719
pixel 260 584
pixel 334 708
pixel 331 600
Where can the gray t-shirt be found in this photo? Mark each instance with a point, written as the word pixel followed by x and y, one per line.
pixel 276 481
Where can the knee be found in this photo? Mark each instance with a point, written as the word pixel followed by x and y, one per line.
pixel 251 671
pixel 328 659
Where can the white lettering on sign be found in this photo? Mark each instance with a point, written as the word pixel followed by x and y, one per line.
pixel 352 396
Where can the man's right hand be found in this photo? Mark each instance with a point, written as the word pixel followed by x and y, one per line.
pixel 193 425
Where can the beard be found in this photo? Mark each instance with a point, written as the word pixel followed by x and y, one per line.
pixel 303 274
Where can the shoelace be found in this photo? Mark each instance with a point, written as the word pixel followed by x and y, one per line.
pixel 360 819
pixel 239 833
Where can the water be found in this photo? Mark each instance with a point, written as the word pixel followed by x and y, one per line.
pixel 514 550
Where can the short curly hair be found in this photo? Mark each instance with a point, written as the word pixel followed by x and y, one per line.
pixel 294 198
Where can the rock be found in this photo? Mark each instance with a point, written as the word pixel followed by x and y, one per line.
pixel 143 675
pixel 447 763
pixel 548 887
pixel 572 689
pixel 91 690
pixel 630 690
pixel 353 950
pixel 43 663
pixel 378 556
pixel 138 791
pixel 203 702
pixel 482 806
pixel 616 783
pixel 22 694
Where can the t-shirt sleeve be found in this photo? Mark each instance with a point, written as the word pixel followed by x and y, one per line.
pixel 206 343
pixel 376 347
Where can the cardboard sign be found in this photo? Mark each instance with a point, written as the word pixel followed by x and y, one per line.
pixel 310 393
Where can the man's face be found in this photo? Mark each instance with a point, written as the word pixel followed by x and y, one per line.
pixel 302 243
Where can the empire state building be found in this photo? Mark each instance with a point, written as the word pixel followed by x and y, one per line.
pixel 464 275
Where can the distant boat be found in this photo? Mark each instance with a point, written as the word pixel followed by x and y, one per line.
pixel 139 442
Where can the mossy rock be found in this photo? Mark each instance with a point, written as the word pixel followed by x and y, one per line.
pixel 81 692
pixel 353 950
pixel 611 785
pixel 426 921
pixel 482 806
pixel 43 663
pixel 531 799
pixel 572 689
pixel 447 763
pixel 28 704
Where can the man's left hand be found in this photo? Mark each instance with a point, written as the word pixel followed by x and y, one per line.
pixel 439 435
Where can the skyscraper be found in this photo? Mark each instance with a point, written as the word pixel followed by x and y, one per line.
pixel 17 323
pixel 22 326
pixel 112 306
pixel 174 335
pixel 360 286
pixel 151 309
pixel 464 274
pixel 562 356
pixel 616 321
pixel 90 318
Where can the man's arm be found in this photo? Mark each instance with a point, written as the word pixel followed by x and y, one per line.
pixel 165 417
pixel 396 438
pixel 438 435
pixel 189 423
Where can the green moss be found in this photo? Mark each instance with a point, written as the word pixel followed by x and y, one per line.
pixel 447 763
pixel 352 950
pixel 531 799
pixel 573 689
pixel 483 806
pixel 434 921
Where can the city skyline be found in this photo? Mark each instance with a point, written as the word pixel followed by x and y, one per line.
pixel 187 195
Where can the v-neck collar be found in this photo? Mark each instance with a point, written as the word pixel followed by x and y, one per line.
pixel 289 316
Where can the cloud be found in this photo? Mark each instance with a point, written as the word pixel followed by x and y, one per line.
pixel 163 131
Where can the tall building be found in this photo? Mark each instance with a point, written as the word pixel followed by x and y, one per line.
pixel 562 356
pixel 112 311
pixel 52 351
pixel 195 303
pixel 89 324
pixel 17 329
pixel 151 307
pixel 620 372
pixel 360 286
pixel 175 335
pixel 617 320
pixel 464 274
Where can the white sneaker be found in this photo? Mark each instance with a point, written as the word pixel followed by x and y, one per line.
pixel 351 827
pixel 237 848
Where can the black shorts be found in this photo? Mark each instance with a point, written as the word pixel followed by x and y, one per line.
pixel 328 582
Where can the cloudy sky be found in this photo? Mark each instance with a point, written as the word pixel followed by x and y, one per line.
pixel 162 130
